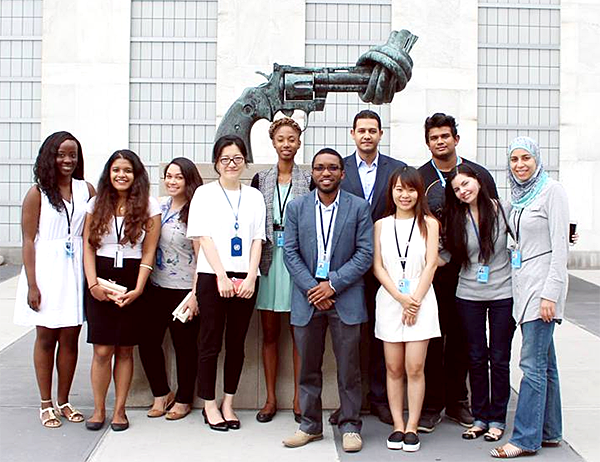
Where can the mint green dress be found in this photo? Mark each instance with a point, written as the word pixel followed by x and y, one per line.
pixel 275 289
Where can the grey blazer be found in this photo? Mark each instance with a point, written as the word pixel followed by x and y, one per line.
pixel 351 256
pixel 265 181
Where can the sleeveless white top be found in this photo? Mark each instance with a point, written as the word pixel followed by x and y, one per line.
pixel 59 277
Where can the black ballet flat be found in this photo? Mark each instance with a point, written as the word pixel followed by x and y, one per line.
pixel 94 426
pixel 220 427
pixel 119 427
pixel 264 417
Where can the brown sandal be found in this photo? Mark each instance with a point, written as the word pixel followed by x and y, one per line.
pixel 501 453
pixel 169 401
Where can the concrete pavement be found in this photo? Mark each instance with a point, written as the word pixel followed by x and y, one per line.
pixel 22 438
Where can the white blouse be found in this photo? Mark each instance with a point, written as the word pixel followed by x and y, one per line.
pixel 213 215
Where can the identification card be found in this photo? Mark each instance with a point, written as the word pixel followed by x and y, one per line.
pixel 69 249
pixel 279 238
pixel 159 257
pixel 483 274
pixel 322 269
pixel 236 246
pixel 404 286
pixel 119 259
pixel 515 258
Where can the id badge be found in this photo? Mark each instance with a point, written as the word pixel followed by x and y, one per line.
pixel 322 269
pixel 236 246
pixel 515 259
pixel 159 257
pixel 279 238
pixel 119 259
pixel 69 249
pixel 483 274
pixel 404 286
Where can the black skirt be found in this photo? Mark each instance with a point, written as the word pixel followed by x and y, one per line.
pixel 107 323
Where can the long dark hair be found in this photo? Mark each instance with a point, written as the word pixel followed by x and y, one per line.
pixel 44 170
pixel 192 179
pixel 136 206
pixel 410 178
pixel 456 220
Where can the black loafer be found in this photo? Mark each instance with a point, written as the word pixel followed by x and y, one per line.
pixel 119 427
pixel 265 417
pixel 220 427
pixel 94 426
pixel 383 412
pixel 334 416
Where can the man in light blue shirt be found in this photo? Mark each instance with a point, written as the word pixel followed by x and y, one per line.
pixel 367 175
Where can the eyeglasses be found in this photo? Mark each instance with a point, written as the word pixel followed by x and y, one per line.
pixel 237 160
pixel 330 168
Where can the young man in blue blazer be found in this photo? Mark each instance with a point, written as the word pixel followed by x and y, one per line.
pixel 328 248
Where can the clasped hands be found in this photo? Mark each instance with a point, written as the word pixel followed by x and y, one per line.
pixel 243 288
pixel 410 308
pixel 103 294
pixel 321 296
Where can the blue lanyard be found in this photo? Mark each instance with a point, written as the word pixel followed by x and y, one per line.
pixel 166 216
pixel 439 173
pixel 235 214
pixel 325 240
pixel 474 227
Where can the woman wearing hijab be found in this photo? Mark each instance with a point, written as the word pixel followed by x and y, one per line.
pixel 540 220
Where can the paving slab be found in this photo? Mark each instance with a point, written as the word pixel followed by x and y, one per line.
pixel 190 440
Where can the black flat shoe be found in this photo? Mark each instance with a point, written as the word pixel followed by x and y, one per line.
pixel 220 427
pixel 264 417
pixel 493 437
pixel 298 417
pixel 473 433
pixel 119 427
pixel 94 426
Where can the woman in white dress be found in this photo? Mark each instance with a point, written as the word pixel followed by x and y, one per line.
pixel 405 260
pixel 50 289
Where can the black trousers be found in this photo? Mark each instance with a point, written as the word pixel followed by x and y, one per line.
pixel 221 316
pixel 377 373
pixel 447 360
pixel 160 304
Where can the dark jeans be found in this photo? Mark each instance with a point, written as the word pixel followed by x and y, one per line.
pixel 310 340
pixel 157 314
pixel 447 360
pixel 218 316
pixel 491 362
pixel 377 373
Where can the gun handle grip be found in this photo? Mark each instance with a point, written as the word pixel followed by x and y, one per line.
pixel 251 106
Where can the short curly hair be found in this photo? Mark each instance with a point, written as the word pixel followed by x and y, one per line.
pixel 281 122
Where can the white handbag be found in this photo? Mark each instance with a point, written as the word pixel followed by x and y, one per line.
pixel 181 312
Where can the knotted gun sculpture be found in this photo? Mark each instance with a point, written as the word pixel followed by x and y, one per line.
pixel 378 75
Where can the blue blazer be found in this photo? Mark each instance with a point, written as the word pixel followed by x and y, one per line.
pixel 352 184
pixel 351 256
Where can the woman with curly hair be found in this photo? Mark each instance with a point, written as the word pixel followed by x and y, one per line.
pixel 121 232
pixel 172 281
pixel 50 290
pixel 279 185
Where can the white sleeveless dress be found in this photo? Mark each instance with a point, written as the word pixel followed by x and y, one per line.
pixel 388 315
pixel 59 278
